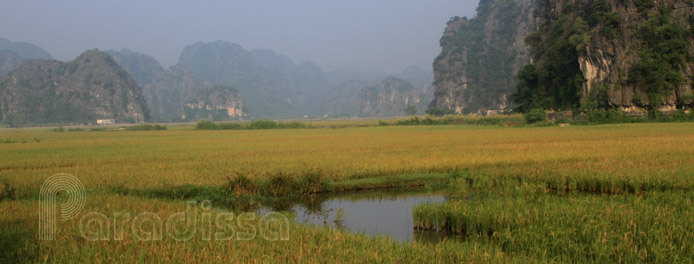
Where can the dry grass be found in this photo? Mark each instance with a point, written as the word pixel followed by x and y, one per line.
pixel 645 153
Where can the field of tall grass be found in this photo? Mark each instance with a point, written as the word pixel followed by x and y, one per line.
pixel 521 194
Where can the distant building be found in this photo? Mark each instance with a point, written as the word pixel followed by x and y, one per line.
pixel 495 112
pixel 105 121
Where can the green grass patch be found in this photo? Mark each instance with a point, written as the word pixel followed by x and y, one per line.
pixel 254 125
pixel 393 181
pixel 498 120
pixel 145 127
pixel 655 227
pixel 71 129
pixel 11 141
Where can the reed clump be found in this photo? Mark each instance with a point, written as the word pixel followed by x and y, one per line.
pixel 279 184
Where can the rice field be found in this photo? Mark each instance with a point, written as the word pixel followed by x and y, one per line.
pixel 605 193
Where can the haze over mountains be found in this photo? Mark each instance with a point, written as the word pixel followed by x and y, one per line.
pixel 223 81
pixel 24 49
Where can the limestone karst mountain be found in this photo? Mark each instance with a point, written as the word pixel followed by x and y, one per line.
pixel 480 57
pixel 92 86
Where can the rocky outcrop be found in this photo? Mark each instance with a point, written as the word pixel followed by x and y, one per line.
pixel 476 70
pixel 344 101
pixel 88 88
pixel 218 103
pixel 391 97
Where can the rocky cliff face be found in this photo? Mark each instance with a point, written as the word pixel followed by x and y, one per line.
pixel 166 91
pixel 422 81
pixel 9 61
pixel 218 103
pixel 633 55
pixel 344 101
pixel 476 70
pixel 90 87
pixel 172 90
pixel 389 98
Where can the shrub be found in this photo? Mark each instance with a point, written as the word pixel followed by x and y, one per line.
pixel 544 124
pixel 281 185
pixel 6 192
pixel 228 126
pixel 679 116
pixel 312 183
pixel 562 121
pixel 292 125
pixel 240 185
pixel 10 141
pixel 145 127
pixel 206 125
pixel 535 115
pixel 612 116
pixel 262 124
pixel 439 111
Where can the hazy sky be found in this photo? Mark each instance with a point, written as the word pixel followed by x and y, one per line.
pixel 373 34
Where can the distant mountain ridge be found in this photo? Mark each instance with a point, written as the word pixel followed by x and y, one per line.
pixel 169 92
pixel 272 85
pixel 260 83
pixel 363 97
pixel 24 49
pixel 88 88
pixel 13 54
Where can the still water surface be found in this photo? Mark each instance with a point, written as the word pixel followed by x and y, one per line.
pixel 381 213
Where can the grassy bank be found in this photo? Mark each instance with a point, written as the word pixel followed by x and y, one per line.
pixel 577 219
pixel 240 192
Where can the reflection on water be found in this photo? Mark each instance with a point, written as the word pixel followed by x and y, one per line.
pixel 372 213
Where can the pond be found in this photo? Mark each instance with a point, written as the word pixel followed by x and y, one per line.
pixel 374 213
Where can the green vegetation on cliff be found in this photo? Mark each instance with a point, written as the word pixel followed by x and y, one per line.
pixel 556 80
pixel 663 56
pixel 590 54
